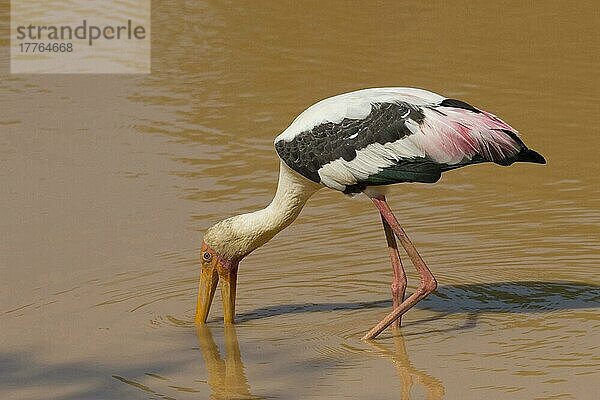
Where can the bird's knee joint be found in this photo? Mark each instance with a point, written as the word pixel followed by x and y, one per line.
pixel 427 286
pixel 398 287
pixel 431 286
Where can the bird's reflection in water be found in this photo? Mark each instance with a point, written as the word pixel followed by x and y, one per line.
pixel 434 389
pixel 226 377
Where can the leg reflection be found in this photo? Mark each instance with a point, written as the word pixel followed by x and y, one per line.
pixel 408 374
pixel 226 378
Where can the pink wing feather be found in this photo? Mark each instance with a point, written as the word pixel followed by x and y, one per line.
pixel 450 135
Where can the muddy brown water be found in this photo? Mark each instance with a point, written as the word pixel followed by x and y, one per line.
pixel 107 183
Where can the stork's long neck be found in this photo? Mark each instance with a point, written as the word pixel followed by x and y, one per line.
pixel 254 229
pixel 293 191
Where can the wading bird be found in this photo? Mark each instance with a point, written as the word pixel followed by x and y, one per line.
pixel 361 142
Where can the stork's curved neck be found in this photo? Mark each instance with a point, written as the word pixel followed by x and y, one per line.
pixel 293 191
pixel 245 233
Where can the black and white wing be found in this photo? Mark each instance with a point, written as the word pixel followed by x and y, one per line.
pixel 390 135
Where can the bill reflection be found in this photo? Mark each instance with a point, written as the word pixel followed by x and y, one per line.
pixel 226 376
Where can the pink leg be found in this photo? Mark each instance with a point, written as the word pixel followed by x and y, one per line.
pixel 428 283
pixel 399 280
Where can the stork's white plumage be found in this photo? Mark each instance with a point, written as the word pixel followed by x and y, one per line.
pixel 360 142
pixel 354 105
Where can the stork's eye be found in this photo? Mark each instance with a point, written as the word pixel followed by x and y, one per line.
pixel 206 256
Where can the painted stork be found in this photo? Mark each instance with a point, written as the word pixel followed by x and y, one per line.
pixel 361 142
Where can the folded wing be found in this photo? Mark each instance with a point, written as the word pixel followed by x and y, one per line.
pixel 401 141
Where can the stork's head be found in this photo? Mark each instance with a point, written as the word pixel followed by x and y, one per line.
pixel 223 247
pixel 215 267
